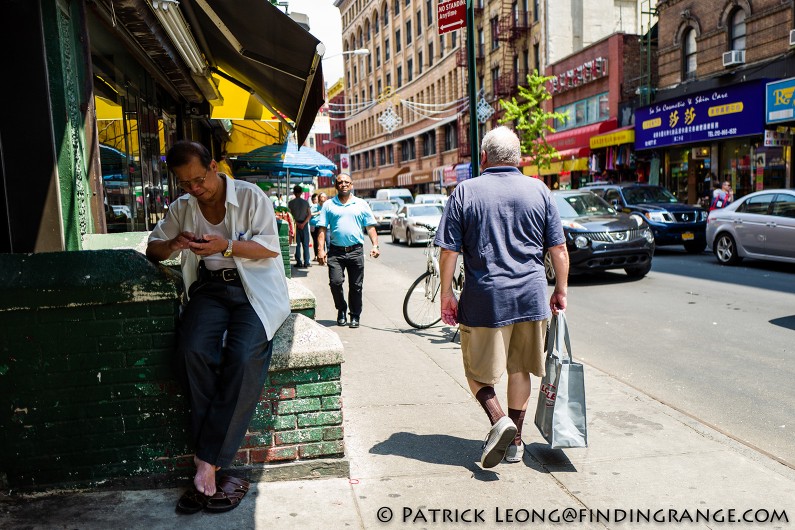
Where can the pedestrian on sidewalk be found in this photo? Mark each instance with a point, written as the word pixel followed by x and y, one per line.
pixel 503 223
pixel 317 205
pixel 302 213
pixel 345 217
pixel 224 231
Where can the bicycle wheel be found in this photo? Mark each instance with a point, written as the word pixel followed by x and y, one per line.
pixel 421 307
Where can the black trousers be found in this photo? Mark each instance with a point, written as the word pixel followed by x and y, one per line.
pixel 224 382
pixel 339 262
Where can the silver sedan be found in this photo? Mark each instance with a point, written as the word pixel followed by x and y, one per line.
pixel 760 225
pixel 413 221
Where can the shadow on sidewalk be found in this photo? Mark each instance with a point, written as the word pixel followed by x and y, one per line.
pixel 444 450
pixel 543 457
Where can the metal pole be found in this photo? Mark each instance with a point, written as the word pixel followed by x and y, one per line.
pixel 472 84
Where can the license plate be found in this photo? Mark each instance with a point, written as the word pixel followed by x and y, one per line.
pixel 687 236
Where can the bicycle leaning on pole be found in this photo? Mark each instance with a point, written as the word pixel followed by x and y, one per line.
pixel 422 306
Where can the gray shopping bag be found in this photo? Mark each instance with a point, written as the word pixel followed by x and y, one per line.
pixel 560 412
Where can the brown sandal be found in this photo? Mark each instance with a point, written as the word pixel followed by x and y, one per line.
pixel 230 491
pixel 192 501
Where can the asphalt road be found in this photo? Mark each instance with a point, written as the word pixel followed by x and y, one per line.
pixel 715 342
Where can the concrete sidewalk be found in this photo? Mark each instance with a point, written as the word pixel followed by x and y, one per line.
pixel 413 435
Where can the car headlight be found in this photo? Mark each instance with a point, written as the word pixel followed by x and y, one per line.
pixel 573 224
pixel 649 235
pixel 660 217
pixel 581 242
pixel 702 215
pixel 638 219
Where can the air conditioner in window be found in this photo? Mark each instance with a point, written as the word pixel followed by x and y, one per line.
pixel 733 58
pixel 792 37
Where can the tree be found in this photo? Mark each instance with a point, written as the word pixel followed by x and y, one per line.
pixel 532 121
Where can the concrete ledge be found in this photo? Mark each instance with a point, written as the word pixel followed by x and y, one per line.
pixel 303 343
pixel 302 300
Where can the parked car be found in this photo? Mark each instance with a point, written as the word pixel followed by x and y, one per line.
pixel 760 225
pixel 672 222
pixel 395 193
pixel 412 222
pixel 383 211
pixel 430 198
pixel 599 238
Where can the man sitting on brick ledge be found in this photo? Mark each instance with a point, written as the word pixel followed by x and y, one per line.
pixel 225 232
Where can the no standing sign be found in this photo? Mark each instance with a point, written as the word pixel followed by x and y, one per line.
pixel 451 15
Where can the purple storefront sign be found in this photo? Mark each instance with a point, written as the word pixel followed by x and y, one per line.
pixel 702 117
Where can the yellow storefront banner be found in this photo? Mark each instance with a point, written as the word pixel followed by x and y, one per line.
pixel 614 138
pixel 555 168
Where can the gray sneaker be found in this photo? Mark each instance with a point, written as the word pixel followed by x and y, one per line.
pixel 500 436
pixel 515 453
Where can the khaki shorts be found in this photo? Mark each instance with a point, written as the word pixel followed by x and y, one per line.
pixel 489 351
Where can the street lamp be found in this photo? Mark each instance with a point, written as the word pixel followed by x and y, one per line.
pixel 360 51
pixel 326 142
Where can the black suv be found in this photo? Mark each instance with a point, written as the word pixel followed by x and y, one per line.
pixel 672 222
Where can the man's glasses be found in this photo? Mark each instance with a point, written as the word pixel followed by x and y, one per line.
pixel 344 183
pixel 188 185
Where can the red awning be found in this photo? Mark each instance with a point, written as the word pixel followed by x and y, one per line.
pixel 577 152
pixel 580 137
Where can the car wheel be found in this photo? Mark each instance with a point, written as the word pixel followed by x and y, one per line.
pixel 395 239
pixel 409 238
pixel 696 246
pixel 725 250
pixel 549 269
pixel 640 271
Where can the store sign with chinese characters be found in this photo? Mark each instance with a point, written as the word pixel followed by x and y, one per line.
pixel 777 139
pixel 736 110
pixel 579 76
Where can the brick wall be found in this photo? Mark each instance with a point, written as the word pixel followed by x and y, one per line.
pixel 767 30
pixel 87 392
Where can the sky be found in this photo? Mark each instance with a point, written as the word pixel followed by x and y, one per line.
pixel 325 24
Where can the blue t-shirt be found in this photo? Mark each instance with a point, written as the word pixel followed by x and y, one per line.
pixel 502 221
pixel 313 210
pixel 346 221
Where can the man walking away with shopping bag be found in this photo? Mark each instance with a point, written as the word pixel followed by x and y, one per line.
pixel 502 222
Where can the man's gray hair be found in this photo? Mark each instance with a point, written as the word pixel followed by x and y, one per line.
pixel 502 147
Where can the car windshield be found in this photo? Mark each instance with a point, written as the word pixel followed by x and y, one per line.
pixel 382 206
pixel 422 211
pixel 648 194
pixel 582 204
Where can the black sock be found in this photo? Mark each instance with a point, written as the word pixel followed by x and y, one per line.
pixel 488 400
pixel 518 419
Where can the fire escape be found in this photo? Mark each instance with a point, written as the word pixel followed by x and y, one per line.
pixel 513 25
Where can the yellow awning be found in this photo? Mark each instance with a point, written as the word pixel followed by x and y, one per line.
pixel 238 104
pixel 555 168
pixel 617 137
pixel 247 135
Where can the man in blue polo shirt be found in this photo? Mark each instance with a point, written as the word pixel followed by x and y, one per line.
pixel 503 222
pixel 344 217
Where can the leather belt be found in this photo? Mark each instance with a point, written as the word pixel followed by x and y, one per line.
pixel 223 275
pixel 346 249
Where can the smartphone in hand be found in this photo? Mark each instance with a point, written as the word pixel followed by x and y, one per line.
pixel 200 240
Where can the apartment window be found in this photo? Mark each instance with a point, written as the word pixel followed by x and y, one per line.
pixel 409 69
pixel 536 58
pixel 408 150
pixel 535 10
pixel 386 49
pixel 367 30
pixel 430 54
pixel 399 74
pixel 355 77
pixel 419 63
pixel 361 39
pixel 371 93
pixel 408 2
pixel 408 32
pixel 382 155
pixel 397 7
pixel 429 143
pixel 737 30
pixel 386 16
pixel 689 53
pixel 388 79
pixel 495 79
pixel 369 64
pixel 453 39
pixel 429 11
pixel 441 45
pixel 495 33
pixel 450 136
pixel 379 86
pixel 481 43
pixel 377 56
pixel 390 155
pixel 375 23
pixel 397 41
pixel 419 22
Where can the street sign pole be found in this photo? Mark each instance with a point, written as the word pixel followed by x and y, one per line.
pixel 472 74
